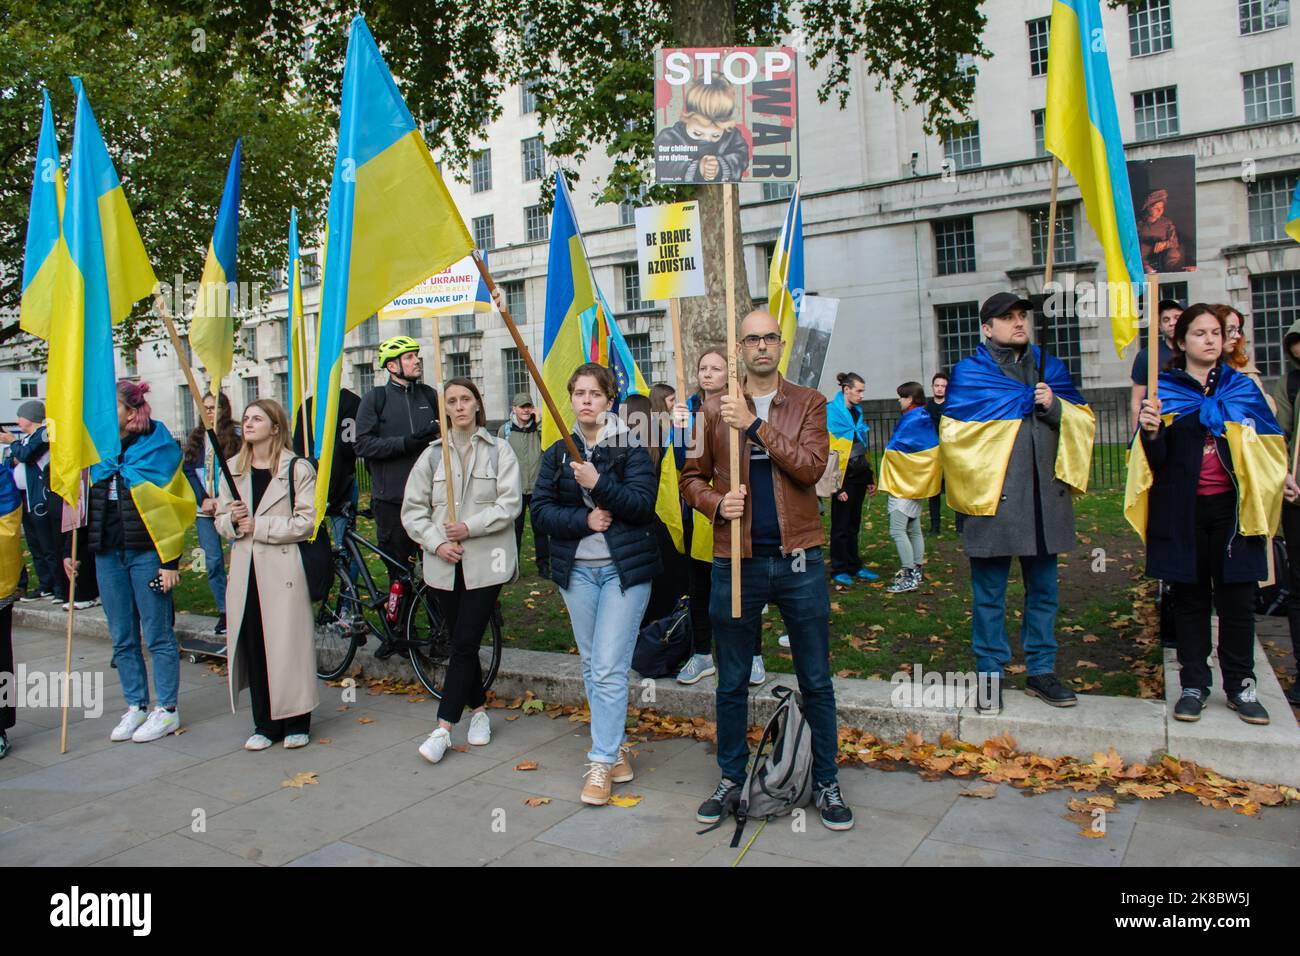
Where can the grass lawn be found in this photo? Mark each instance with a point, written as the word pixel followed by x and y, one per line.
pixel 1105 627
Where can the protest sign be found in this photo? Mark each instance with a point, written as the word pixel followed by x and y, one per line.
pixel 1164 202
pixel 668 251
pixel 458 288
pixel 726 115
pixel 812 340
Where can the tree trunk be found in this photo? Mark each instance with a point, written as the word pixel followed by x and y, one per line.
pixel 709 23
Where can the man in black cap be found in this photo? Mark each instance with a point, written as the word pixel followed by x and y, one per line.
pixel 1169 311
pixel 1034 519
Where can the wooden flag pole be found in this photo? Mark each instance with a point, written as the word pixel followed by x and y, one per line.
pixel 1041 333
pixel 679 360
pixel 528 359
pixel 67 657
pixel 443 438
pixel 733 387
pixel 164 313
pixel 1153 334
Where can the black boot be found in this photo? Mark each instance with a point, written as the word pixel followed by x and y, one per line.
pixel 1048 689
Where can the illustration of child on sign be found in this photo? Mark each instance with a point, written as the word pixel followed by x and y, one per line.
pixel 703 146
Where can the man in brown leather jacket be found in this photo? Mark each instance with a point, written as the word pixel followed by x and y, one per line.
pixel 784 447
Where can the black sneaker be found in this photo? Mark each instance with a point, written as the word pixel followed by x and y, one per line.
pixel 724 800
pixel 836 814
pixel 1190 704
pixel 220 629
pixel 1293 693
pixel 1247 706
pixel 4 745
pixel 384 651
pixel 1048 689
pixel 992 706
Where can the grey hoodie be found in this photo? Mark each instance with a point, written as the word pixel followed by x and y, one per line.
pixel 1285 411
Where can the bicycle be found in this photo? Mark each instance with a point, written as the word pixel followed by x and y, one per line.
pixel 356 610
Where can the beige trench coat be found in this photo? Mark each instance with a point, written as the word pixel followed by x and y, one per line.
pixel 287 619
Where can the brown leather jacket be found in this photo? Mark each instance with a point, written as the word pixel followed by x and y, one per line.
pixel 797 442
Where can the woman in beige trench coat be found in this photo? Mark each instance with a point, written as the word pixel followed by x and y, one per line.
pixel 271 652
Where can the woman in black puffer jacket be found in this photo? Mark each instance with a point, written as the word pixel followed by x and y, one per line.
pixel 599 516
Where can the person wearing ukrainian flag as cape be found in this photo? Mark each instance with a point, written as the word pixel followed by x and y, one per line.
pixel 1206 477
pixel 910 476
pixel 847 430
pixel 11 564
pixel 1015 442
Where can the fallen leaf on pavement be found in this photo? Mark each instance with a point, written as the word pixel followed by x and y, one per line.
pixel 460 748
pixel 984 792
pixel 625 799
pixel 365 720
pixel 325 740
pixel 299 779
pixel 537 801
pixel 526 765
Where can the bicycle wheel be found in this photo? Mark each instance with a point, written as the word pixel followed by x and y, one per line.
pixel 430 643
pixel 341 627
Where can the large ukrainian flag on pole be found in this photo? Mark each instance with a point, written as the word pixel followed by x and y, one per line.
pixel 1236 411
pixel 212 326
pixel 296 336
pixel 785 278
pixel 1082 131
pixel 104 273
pixel 391 223
pixel 982 416
pixel 44 249
pixel 579 326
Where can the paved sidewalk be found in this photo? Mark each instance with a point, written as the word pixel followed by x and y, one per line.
pixel 198 798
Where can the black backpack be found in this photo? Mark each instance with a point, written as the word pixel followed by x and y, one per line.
pixel 317 555
pixel 663 645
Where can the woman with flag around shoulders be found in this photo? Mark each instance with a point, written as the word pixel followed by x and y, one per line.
pixel 599 513
pixel 1207 474
pixel 139 510
pixel 848 437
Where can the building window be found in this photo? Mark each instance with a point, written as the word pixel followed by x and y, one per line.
pixel 1038 45
pixel 458 365
pixel 959 331
pixel 1256 16
pixel 480 167
pixel 961 145
pixel 769 253
pixel 363 377
pixel 1267 201
pixel 534 158
pixel 628 207
pixel 1040 133
pixel 954 246
pixel 369 332
pixel 778 190
pixel 1173 290
pixel 535 224
pixel 639 346
pixel 485 232
pixel 1275 304
pixel 309 266
pixel 248 338
pixel 282 391
pixel 31 388
pixel 186 400
pixel 1063 247
pixel 1155 112
pixel 412 328
pixel 250 390
pixel 1062 339
pixel 632 300
pixel 516 373
pixel 1269 93
pixel 1150 27
pixel 457 324
pixel 527 98
pixel 516 301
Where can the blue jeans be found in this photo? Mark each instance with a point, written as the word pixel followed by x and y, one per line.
pixel 214 557
pixel 606 620
pixel 989 640
pixel 130 607
pixel 805 607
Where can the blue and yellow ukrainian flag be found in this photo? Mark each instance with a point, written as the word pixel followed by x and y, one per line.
pixel 1238 412
pixel 43 251
pixel 910 466
pixel 104 272
pixel 668 500
pixel 1293 215
pixel 151 469
pixel 391 223
pixel 785 280
pixel 295 335
pixel 212 326
pixel 1082 131
pixel 982 416
pixel 843 430
pixel 11 523
pixel 579 326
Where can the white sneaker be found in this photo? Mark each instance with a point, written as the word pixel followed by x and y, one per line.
pixel 258 742
pixel 757 673
pixel 294 741
pixel 160 723
pixel 436 745
pixel 131 720
pixel 480 729
pixel 784 640
pixel 81 605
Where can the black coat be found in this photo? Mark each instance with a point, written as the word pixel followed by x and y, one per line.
pixel 1174 455
pixel 627 489
pixel 388 420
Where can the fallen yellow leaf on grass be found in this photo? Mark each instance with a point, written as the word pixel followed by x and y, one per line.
pixel 536 801
pixel 625 799
pixel 299 779
pixel 986 792
pixel 526 765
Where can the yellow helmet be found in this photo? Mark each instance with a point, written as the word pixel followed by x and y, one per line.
pixel 395 347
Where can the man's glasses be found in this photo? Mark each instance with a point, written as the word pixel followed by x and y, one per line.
pixel 771 340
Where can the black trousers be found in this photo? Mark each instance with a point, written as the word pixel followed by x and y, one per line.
pixel 252 648
pixel 936 505
pixel 8 712
pixel 467 613
pixel 1291 531
pixel 392 537
pixel 846 524
pixel 1234 604
pixel 46 553
pixel 87 582
pixel 541 545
